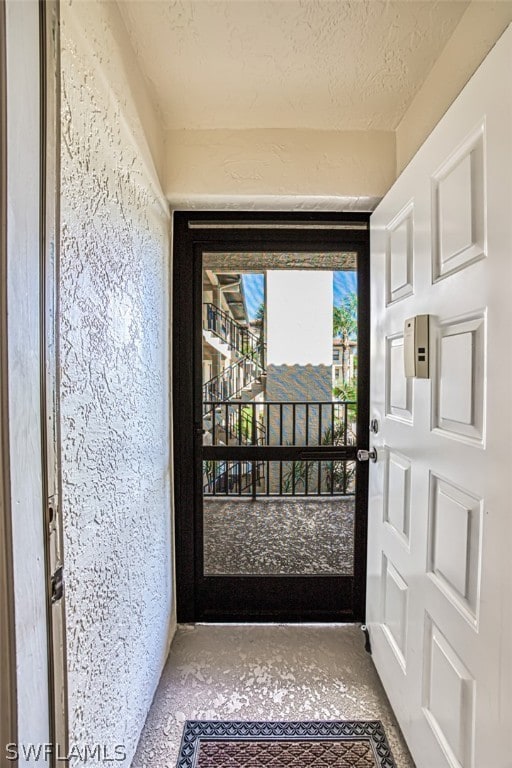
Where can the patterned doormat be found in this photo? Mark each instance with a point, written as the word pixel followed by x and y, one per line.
pixel 245 744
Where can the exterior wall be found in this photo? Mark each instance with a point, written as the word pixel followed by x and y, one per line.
pixel 299 355
pixel 151 136
pixel 338 351
pixel 477 32
pixel 278 162
pixel 24 370
pixel 115 390
pixel 299 317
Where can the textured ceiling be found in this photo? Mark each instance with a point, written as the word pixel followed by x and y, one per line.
pixel 323 64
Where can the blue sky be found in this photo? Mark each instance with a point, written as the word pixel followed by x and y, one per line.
pixel 344 282
pixel 253 288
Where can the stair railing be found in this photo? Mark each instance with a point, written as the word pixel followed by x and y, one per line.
pixel 231 382
pixel 238 338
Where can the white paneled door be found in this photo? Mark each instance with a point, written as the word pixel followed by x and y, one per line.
pixel 439 588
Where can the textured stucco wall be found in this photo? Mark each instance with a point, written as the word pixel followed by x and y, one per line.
pixel 278 162
pixel 299 316
pixel 344 65
pixel 115 390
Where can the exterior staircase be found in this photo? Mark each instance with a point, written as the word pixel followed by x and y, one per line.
pixel 233 425
pixel 255 388
pixel 226 418
pixel 244 379
pixel 217 343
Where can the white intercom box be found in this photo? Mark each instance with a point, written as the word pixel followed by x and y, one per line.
pixel 416 347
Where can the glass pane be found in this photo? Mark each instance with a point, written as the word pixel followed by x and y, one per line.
pixel 233 341
pixel 280 350
pixel 301 521
pixel 279 536
pixel 279 369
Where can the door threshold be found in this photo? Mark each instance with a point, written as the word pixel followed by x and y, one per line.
pixel 315 624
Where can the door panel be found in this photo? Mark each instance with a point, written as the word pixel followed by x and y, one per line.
pixel 439 528
pixel 278 451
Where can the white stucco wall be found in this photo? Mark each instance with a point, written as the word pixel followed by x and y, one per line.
pixel 339 164
pixel 299 317
pixel 115 390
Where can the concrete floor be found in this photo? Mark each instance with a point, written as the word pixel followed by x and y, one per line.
pixel 264 672
pixel 279 536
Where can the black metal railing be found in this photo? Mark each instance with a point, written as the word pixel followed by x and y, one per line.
pixel 233 423
pixel 232 381
pixel 228 478
pixel 302 478
pixel 293 425
pixel 250 349
pixel 239 339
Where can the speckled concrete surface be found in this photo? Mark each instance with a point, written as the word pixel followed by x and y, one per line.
pixel 279 536
pixel 278 672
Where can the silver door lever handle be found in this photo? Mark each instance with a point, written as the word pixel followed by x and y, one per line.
pixel 363 455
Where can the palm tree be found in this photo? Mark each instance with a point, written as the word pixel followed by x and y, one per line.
pixel 259 321
pixel 344 326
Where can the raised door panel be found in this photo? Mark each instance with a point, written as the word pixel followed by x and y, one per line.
pixel 458 207
pixel 400 255
pixel 398 388
pixel 397 494
pixel 459 382
pixel 448 698
pixel 455 545
pixel 395 600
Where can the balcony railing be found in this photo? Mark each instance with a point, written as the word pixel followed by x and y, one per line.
pixel 232 423
pixel 296 423
pixel 232 477
pixel 241 340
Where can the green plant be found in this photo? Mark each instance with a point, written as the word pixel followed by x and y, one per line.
pixel 338 475
pixel 297 476
pixel 344 327
pixel 347 392
pixel 260 314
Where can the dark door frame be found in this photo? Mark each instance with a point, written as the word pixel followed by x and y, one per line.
pixel 193 233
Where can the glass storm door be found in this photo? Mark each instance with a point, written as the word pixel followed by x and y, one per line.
pixel 279 401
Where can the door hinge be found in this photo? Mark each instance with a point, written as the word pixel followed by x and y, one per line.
pixel 58 584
